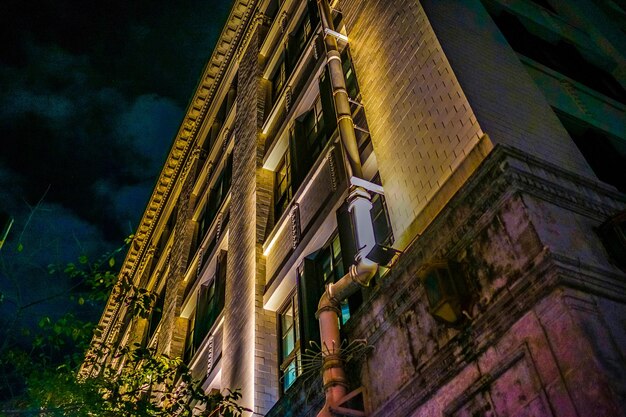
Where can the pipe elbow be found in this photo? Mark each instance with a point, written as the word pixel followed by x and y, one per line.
pixel 363 272
pixel 327 302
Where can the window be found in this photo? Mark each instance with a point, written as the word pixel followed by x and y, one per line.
pixel 216 198
pixel 289 330
pixel 352 85
pixel 278 78
pixel 605 153
pixel 220 117
pixel 307 139
pixel 156 315
pixel 331 265
pixel 282 186
pixel 560 56
pixel 209 305
pixel 297 41
pixel 380 217
pixel 314 133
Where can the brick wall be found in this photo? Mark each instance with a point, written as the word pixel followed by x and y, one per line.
pixel 173 327
pixel 505 100
pixel 421 123
pixel 250 345
pixel 266 342
pixel 239 309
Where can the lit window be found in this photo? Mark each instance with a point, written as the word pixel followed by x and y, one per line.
pixel 278 79
pixel 314 131
pixel 209 305
pixel 330 262
pixel 290 358
pixel 282 186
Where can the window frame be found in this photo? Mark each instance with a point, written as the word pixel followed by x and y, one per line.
pixel 294 356
pixel 282 197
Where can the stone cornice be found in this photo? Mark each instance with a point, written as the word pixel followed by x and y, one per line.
pixel 173 170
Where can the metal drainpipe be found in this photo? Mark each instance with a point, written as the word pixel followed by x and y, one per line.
pixel 360 205
pixel 329 307
pixel 340 93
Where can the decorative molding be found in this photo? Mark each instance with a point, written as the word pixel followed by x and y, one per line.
pixel 199 266
pixel 573 93
pixel 218 231
pixel 288 98
pixel 332 167
pixel 483 383
pixel 284 17
pixel 173 171
pixel 251 28
pixel 296 232
pixel 210 354
pixel 261 18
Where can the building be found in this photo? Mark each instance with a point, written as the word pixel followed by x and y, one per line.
pixel 487 141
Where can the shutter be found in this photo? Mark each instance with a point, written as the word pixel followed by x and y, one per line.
pixel 220 288
pixel 299 154
pixel 228 173
pixel 346 236
pixel 293 52
pixel 348 249
pixel 310 289
pixel 217 299
pixel 201 319
pixel 314 13
pixel 328 104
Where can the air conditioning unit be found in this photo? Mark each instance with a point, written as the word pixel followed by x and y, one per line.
pixel 613 235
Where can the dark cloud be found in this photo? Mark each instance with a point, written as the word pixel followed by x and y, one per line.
pixel 91 95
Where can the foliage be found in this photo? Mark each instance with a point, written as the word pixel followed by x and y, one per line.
pixel 42 379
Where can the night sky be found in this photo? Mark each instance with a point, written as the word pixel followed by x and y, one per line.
pixel 91 96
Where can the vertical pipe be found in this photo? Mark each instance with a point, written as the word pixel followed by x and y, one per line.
pixel 328 314
pixel 340 93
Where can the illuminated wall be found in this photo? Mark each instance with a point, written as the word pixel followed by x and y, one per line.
pixel 422 126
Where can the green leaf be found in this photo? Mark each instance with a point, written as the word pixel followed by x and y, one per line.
pixel 20 247
pixel 111 262
pixel 83 259
pixel 81 301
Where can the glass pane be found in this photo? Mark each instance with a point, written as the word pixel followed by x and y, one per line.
pixel 326 266
pixel 289 375
pixel 286 320
pixel 431 283
pixel 288 344
pixel 336 247
pixel 447 286
pixel 345 312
